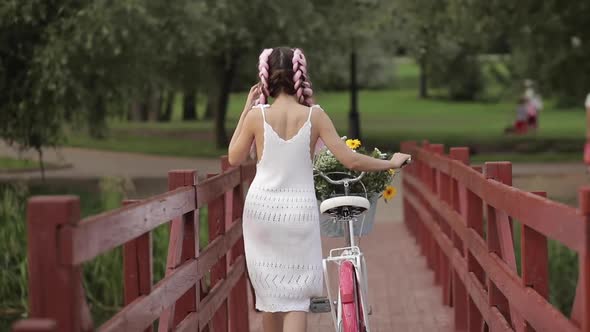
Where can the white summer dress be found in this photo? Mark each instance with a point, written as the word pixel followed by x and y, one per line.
pixel 281 224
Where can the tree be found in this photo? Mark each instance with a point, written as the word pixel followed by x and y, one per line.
pixel 445 38
pixel 237 34
pixel 548 44
pixel 73 62
pixel 363 19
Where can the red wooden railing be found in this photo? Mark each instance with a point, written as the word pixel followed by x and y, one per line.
pixel 59 243
pixel 462 219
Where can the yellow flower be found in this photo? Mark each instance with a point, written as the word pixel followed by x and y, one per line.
pixel 391 171
pixel 353 143
pixel 389 193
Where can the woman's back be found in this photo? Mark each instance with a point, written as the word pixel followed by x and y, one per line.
pixel 283 141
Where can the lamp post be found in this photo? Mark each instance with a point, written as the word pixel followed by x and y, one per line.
pixel 354 121
pixel 354 125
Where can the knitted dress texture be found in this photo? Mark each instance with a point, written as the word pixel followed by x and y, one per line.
pixel 281 224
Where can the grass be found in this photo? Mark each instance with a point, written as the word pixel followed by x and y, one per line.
pixel 8 164
pixel 563 271
pixel 387 118
pixel 148 144
pixel 17 164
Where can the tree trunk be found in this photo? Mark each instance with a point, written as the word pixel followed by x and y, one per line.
pixel 154 104
pixel 134 113
pixel 144 110
pixel 41 162
pixel 354 126
pixel 423 78
pixel 210 109
pixel 227 71
pixel 189 105
pixel 166 114
pixel 97 119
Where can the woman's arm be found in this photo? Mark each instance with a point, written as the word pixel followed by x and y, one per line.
pixel 349 158
pixel 241 142
pixel 252 96
pixel 243 136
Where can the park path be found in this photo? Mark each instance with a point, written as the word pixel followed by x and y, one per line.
pixel 558 179
pixel 87 163
pixel 97 163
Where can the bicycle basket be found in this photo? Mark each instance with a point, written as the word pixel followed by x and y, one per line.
pixel 330 228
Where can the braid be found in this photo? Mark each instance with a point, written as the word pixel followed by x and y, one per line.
pixel 302 85
pixel 263 70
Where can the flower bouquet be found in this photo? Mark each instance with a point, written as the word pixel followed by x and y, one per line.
pixel 374 185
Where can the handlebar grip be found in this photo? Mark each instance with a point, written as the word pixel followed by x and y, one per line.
pixel 407 162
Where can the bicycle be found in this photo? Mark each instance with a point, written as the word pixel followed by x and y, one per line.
pixel 351 309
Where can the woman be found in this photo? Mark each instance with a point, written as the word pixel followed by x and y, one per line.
pixel 587 146
pixel 281 218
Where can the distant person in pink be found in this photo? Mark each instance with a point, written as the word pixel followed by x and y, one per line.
pixel 587 147
pixel 520 126
pixel 534 105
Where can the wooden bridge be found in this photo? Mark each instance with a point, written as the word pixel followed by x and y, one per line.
pixel 451 265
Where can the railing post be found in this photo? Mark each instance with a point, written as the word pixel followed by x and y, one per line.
pixel 582 303
pixel 474 217
pixel 182 246
pixel 137 266
pixel 407 147
pixel 442 190
pixel 55 286
pixel 460 296
pixel 238 298
pixel 501 242
pixel 495 297
pixel 430 183
pixel 216 219
pixel 534 260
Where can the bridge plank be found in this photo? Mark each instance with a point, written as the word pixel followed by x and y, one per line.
pixel 540 214
pixel 534 261
pixel 541 314
pixel 97 234
pixel 211 303
pixel 238 298
pixel 215 186
pixel 475 289
pixel 143 311
pixel 137 266
pixel 532 306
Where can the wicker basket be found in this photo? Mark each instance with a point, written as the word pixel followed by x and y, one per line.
pixel 362 226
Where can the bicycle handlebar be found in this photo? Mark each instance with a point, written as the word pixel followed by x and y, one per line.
pixel 343 181
pixel 353 180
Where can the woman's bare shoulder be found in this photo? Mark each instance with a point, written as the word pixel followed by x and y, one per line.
pixel 254 114
pixel 319 114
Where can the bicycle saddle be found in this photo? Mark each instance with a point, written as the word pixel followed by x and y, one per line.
pixel 355 204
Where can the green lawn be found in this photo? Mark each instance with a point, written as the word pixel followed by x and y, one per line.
pixel 17 164
pixel 387 118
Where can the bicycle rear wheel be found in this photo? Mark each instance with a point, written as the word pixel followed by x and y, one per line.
pixel 348 296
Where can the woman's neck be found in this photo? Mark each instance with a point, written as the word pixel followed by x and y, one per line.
pixel 284 98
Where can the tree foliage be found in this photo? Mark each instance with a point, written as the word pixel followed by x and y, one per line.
pixel 65 61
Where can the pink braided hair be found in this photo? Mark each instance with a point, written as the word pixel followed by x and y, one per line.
pixel 303 89
pixel 263 69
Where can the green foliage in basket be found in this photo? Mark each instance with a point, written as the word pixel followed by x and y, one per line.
pixel 375 182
